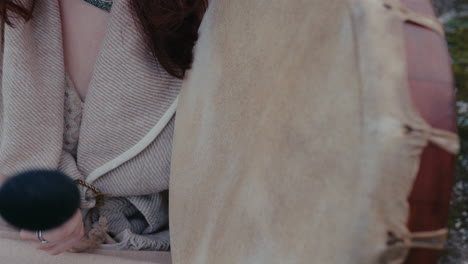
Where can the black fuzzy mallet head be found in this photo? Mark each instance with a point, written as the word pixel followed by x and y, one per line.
pixel 39 199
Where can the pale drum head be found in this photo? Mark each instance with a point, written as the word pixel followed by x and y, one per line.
pixel 296 138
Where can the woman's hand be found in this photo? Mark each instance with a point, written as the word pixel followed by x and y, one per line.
pixel 59 239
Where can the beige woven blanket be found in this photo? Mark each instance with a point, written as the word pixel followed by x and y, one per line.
pixel 126 128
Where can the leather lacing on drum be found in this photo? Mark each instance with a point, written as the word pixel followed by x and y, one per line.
pixel 427 240
pixel 435 240
pixel 443 139
pixel 412 17
pixel 422 240
pixel 446 140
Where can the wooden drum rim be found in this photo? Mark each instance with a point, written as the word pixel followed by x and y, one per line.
pixel 431 85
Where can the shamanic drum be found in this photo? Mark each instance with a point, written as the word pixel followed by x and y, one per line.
pixel 297 139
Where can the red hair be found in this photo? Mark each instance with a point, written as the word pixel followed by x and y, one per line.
pixel 170 28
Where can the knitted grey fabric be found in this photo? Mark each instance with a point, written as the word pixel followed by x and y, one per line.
pixel 72 118
pixel 119 152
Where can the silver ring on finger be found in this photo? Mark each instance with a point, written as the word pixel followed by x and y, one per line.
pixel 40 238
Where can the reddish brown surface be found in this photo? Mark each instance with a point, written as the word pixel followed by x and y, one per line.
pixel 432 88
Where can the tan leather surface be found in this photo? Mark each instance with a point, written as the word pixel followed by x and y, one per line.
pixel 296 140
